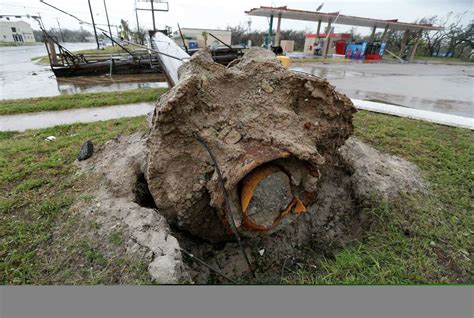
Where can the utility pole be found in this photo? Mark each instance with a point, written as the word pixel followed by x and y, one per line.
pixel 138 27
pixel 153 14
pixel 108 22
pixel 93 24
pixel 60 32
pixel 136 16
pixel 153 10
pixel 269 37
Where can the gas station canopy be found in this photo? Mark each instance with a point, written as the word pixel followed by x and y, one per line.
pixel 303 15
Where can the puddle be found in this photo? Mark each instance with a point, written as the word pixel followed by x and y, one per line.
pixel 22 78
pixel 80 84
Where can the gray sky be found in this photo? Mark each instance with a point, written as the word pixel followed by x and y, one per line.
pixel 220 14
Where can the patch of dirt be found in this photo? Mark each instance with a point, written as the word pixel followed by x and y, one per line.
pixel 122 201
pixel 382 175
pixel 332 221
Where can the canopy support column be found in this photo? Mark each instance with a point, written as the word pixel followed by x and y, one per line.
pixel 372 35
pixel 277 37
pixel 384 35
pixel 268 38
pixel 415 45
pixel 403 45
pixel 326 41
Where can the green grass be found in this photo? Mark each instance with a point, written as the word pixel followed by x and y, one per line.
pixel 80 100
pixel 415 240
pixel 442 60
pixel 107 49
pixel 41 240
pixel 418 239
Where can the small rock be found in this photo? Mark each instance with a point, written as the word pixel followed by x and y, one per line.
pixel 50 138
pixel 261 251
pixel 232 137
pixel 87 149
pixel 266 87
pixel 432 243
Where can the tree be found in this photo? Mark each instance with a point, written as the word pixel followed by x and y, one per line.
pixel 455 38
pixel 125 28
pixel 68 35
pixel 240 35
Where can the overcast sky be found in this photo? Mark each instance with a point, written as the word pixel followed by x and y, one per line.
pixel 220 14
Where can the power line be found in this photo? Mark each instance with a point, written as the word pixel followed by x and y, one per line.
pixel 35 8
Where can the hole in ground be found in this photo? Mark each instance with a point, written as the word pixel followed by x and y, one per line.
pixel 143 196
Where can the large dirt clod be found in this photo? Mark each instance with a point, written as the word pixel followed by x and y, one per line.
pixel 115 174
pixel 251 114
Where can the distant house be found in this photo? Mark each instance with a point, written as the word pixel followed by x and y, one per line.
pixel 16 31
pixel 199 38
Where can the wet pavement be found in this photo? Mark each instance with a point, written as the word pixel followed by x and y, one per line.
pixel 22 122
pixel 446 89
pixel 20 77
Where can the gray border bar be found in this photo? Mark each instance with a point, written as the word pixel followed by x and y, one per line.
pixel 237 301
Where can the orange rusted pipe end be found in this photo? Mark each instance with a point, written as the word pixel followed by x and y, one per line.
pixel 249 184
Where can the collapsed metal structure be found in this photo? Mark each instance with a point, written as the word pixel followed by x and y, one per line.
pixel 65 63
pixel 336 18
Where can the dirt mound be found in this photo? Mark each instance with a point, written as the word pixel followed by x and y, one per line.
pixel 250 114
pixel 382 175
pixel 121 201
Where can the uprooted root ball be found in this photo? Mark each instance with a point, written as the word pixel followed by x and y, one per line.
pixel 250 114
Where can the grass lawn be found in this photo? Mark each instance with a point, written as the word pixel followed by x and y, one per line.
pixel 41 241
pixel 441 60
pixel 416 240
pixel 81 100
pixel 419 239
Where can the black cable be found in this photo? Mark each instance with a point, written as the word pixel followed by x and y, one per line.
pixel 207 265
pixel 230 218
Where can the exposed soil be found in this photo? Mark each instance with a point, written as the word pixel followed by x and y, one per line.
pixel 122 201
pixel 250 114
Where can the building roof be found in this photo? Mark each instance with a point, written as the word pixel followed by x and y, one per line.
pixel 10 22
pixel 331 35
pixel 204 29
pixel 303 15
